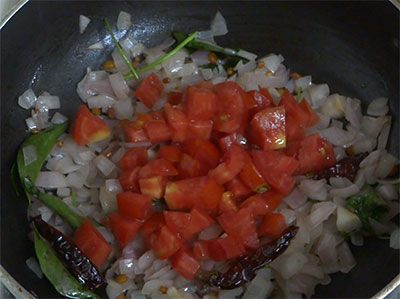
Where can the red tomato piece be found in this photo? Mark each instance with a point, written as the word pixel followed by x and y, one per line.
pixel 273 225
pixel 151 225
pixel 188 167
pixel 315 154
pixel 123 228
pixel 157 131
pixel 149 90
pixel 185 264
pixel 241 226
pixel 268 127
pixel 276 168
pixel 172 153
pixel 141 120
pixel 158 167
pixel 134 205
pixel 177 221
pixel 134 157
pixel 273 199
pixel 227 203
pixel 175 97
pixel 293 109
pixel 129 179
pixel 252 178
pixel 134 135
pixel 222 249
pixel 226 142
pixel 153 187
pixel 93 245
pixel 165 243
pixel 257 204
pixel 231 109
pixel 210 196
pixel 177 122
pixel 88 128
pixel 313 117
pixel 238 189
pixel 249 101
pixel 203 151
pixel 200 129
pixel 259 100
pixel 157 115
pixel 200 250
pixel 199 220
pixel 201 103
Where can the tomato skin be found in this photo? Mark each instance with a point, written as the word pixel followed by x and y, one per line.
pixel 151 225
pixel 257 204
pixel 238 189
pixel 222 249
pixel 276 168
pixel 172 153
pixel 88 128
pixel 149 90
pixel 123 228
pixel 165 243
pixel 176 221
pixel 129 179
pixel 201 103
pixel 185 264
pixel 134 205
pixel 226 142
pixel 227 203
pixel 188 167
pixel 200 129
pixel 134 157
pixel 92 243
pixel 273 199
pixel 268 128
pixel 177 122
pixel 175 98
pixel 157 131
pixel 200 250
pixel 293 109
pixel 134 135
pixel 252 178
pixel 153 187
pixel 199 220
pixel 209 196
pixel 272 225
pixel 259 100
pixel 313 117
pixel 158 167
pixel 203 151
pixel 241 226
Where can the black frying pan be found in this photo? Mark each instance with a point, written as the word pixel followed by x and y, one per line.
pixel 353 46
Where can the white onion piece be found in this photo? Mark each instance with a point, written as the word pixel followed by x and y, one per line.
pixel 385 165
pixel 192 79
pixel 395 239
pixel 346 220
pixel 337 123
pixel 295 199
pixel 107 200
pixel 318 94
pixel 66 165
pixel 289 264
pixel 87 155
pixel 160 103
pixel 247 67
pixel 326 249
pixel 320 212
pixel 187 70
pixel 118 155
pixel 120 64
pixel 206 35
pixel 346 259
pixel 371 159
pixel 30 123
pixel 211 232
pixel 33 265
pixel 372 125
pixel 334 106
pixel 259 287
pixel 127 43
pixel 345 192
pixel 153 286
pixel 50 102
pixel 357 239
pixel 363 143
pixel 174 64
pixel 58 118
pixel 135 144
pixel 218 25
pixel 123 109
pixel 200 57
pixel 248 55
pixel 353 112
pixel 141 108
pixel 124 21
pixel 387 191
pixel 272 62
pixel 290 85
pixel 290 215
pixel 314 189
pixel 380 228
pixel 119 86
pixel 303 82
pixel 338 136
pixel 113 185
pixel 100 101
pixel 384 135
pixel 29 153
pixel 75 180
pixel 206 73
pixel 83 23
pixel 104 165
pixel 378 107
pixel 51 180
pixel 96 46
pixel 94 83
pixel 339 152
pixel 63 192
pixel 27 99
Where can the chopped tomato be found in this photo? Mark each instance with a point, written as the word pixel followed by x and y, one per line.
pixel 210 196
pixel 158 167
pixel 93 245
pixel 268 127
pixel 201 103
pixel 231 109
pixel 259 100
pixel 200 129
pixel 170 152
pixel 225 142
pixel 123 228
pixel 203 151
pixel 276 168
pixel 294 131
pixel 252 178
pixel 177 221
pixel 257 204
pixel 249 101
pixel 134 135
pixel 227 203
pixel 157 131
pixel 238 189
pixel 313 117
pixel 293 109
pixel 175 97
pixel 151 225
pixel 177 122
pixel 129 179
pixel 273 199
pixel 134 205
pixel 188 167
pixel 141 120
pixel 165 242
pixel 315 154
pixel 157 115
pixel 273 225
pixel 153 187
pixel 88 128
pixel 134 157
pixel 199 220
pixel 200 250
pixel 235 159
pixel 241 226
pixel 222 249
pixel 185 264
pixel 149 90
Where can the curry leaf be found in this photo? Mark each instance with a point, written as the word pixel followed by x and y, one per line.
pixel 56 273
pixel 298 94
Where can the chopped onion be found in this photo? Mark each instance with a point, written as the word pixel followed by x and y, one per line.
pixel 29 153
pixel 200 57
pixel 303 82
pixel 385 165
pixel 120 64
pixel 211 232
pixel 135 144
pixel 289 264
pixel 233 293
pixel 395 239
pixel 345 192
pixel 113 186
pixel 338 136
pixel 371 159
pixel 318 94
pixel 378 107
pixel 107 200
pixel 192 79
pixel 83 23
pixel 380 228
pixel 272 62
pixel 247 67
pixel 123 109
pixel 50 102
pixel 33 265
pixel 100 101
pixel 290 85
pixel 384 135
pixel 63 192
pixel 290 215
pixel 372 125
pixel 334 106
pixel 388 191
pixel 187 70
pixel 295 199
pixel 247 55
pixel 27 99
pixel 30 123
pixel 66 165
pixel 326 249
pixel 346 259
pixel 96 46
pixel 51 180
pixel 141 108
pixel 58 118
pixel 353 112
pixel 124 21
pixel 118 155
pixel 104 165
pixel 94 83
pixel 75 180
pixel 319 213
pixel 339 182
pixel 119 86
pixel 339 152
pixel 218 25
pixel 174 64
pixel 363 143
pixel 314 189
pixel 357 239
pixel 346 220
pixel 206 35
pixel 206 73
